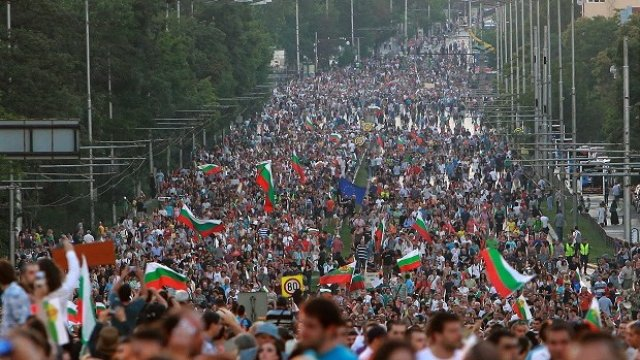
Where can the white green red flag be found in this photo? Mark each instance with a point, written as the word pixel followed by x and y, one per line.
pixel 502 276
pixel 308 123
pixel 341 275
pixel 421 227
pixel 210 169
pixel 409 262
pixel 72 314
pixel 203 227
pixel 335 138
pixel 264 179
pixel 297 167
pixel 521 308
pixel 157 276
pixel 85 303
pixel 100 307
pixel 592 317
pixel 357 283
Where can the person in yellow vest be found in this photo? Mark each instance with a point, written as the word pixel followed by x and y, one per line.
pixel 569 251
pixel 583 249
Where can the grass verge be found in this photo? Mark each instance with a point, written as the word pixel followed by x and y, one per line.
pixel 589 229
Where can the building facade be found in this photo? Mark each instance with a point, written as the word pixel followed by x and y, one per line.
pixel 609 8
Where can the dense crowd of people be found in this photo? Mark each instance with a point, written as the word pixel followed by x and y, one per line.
pixel 407 129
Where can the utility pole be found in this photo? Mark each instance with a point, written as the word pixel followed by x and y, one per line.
pixel 498 49
pixel 180 152
pixel 517 53
pixel 574 178
pixel 560 92
pixel 524 59
pixel 544 91
pixel 506 46
pixel 531 38
pixel 625 119
pixel 406 33
pixel 353 41
pixel 315 49
pixel 12 227
pixel 92 195
pixel 9 24
pixel 151 167
pixel 536 75
pixel 298 38
pixel 561 105
pixel 549 97
pixel 113 203
pixel 511 66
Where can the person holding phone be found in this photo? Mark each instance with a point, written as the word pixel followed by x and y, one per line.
pixel 15 301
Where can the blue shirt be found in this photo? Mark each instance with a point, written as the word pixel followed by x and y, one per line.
pixel 339 352
pixel 16 308
pixel 410 286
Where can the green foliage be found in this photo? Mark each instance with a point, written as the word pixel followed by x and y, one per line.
pixel 157 63
pixel 598 49
pixel 374 22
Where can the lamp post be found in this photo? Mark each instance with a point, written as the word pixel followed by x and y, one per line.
pixel 92 198
pixel 298 38
pixel 627 179
pixel 574 178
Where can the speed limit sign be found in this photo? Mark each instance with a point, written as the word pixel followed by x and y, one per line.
pixel 290 284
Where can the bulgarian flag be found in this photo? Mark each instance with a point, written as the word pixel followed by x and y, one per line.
pixel 502 276
pixel 210 169
pixel 409 262
pixel 379 235
pixel 357 282
pixel 295 161
pixel 265 181
pixel 592 318
pixel 341 275
pixel 100 307
pixel 522 309
pixel 72 313
pixel 85 304
pixel 335 138
pixel 204 227
pixel 308 123
pixel 421 227
pixel 157 276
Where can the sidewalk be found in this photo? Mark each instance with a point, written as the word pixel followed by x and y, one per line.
pixel 614 231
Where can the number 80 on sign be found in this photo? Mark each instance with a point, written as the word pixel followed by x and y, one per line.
pixel 290 284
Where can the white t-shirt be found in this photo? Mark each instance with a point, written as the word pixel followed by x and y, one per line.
pixel 426 354
pixel 545 221
pixel 366 354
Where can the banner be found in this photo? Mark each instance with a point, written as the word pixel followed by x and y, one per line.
pixel 290 284
pixel 97 253
pixel 348 189
pixel 372 280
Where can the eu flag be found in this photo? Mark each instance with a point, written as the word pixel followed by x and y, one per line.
pixel 348 189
